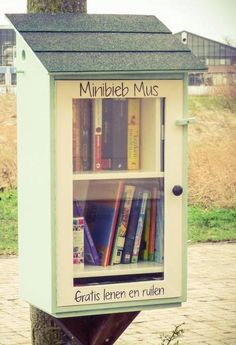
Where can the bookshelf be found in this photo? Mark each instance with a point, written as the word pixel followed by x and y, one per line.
pixel 97 193
pixel 111 175
pixel 133 90
pixel 130 269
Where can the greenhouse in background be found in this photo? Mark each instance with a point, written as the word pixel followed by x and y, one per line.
pixel 7 59
pixel 220 59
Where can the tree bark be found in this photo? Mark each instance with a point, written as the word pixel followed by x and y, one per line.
pixel 54 6
pixel 44 329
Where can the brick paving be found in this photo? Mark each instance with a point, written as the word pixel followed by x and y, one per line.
pixel 209 315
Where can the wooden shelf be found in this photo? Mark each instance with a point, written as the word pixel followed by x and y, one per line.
pixel 122 269
pixel 112 175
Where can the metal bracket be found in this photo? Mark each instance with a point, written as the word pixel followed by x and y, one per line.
pixel 96 329
pixel 186 122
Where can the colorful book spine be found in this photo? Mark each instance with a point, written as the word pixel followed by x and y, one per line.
pixel 97 135
pixel 131 232
pixel 140 225
pixel 107 134
pixel 76 137
pixel 122 224
pixel 85 133
pixel 144 253
pixel 133 149
pixel 152 235
pixel 159 239
pixel 119 134
pixel 91 256
pixel 81 135
pixel 78 242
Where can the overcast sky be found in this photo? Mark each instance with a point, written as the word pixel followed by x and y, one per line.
pixel 215 19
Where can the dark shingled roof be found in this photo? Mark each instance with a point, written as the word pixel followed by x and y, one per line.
pixel 103 43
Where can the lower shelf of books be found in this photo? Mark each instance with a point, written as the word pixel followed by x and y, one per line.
pixel 118 228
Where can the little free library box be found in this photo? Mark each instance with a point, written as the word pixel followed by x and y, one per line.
pixel 102 150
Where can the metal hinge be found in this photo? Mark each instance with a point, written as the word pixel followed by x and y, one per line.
pixel 186 122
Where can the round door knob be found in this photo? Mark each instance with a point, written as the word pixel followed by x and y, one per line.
pixel 177 190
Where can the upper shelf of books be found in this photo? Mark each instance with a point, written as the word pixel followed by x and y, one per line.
pixel 111 136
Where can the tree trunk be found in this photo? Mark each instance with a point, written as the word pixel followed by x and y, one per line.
pixel 44 329
pixel 54 6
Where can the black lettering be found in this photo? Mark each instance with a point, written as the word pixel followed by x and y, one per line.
pixel 90 297
pixel 155 90
pixel 108 90
pixel 97 90
pixel 153 291
pixel 118 91
pixel 125 89
pixel 113 295
pixel 139 89
pixel 77 296
pixel 85 90
pixel 133 293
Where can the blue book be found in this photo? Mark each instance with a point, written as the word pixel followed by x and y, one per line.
pixel 132 226
pixel 101 213
pixel 91 256
pixel 101 218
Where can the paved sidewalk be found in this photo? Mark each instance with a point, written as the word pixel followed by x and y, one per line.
pixel 209 315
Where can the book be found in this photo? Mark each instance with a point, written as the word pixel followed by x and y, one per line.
pixel 133 142
pixel 151 247
pixel 119 134
pixel 97 134
pixel 91 256
pixel 107 134
pixel 81 134
pixel 132 226
pixel 78 242
pixel 140 225
pixel 101 213
pixel 144 253
pixel 159 236
pixel 122 224
pixel 114 134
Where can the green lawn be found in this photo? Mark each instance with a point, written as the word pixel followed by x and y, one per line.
pixel 211 224
pixel 8 222
pixel 204 224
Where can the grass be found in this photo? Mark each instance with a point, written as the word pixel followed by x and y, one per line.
pixel 218 224
pixel 8 222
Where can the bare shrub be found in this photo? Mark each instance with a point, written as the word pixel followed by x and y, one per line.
pixel 212 155
pixel 8 171
pixel 7 140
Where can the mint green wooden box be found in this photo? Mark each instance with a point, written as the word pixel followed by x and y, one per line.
pixel 56 54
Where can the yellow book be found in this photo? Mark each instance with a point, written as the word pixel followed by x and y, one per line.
pixel 133 134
